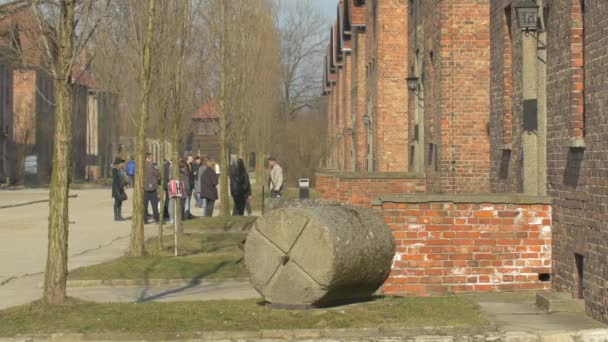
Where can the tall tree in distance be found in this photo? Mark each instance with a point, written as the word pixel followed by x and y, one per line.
pixel 137 246
pixel 303 35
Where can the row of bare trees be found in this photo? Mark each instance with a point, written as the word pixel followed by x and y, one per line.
pixel 258 59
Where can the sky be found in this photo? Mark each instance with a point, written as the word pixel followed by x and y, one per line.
pixel 327 7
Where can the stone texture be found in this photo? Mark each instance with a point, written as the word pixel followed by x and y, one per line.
pixel 314 254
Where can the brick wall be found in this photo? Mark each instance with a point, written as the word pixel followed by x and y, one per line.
pixel 340 118
pixel 362 189
pixel 465 79
pixel 453 67
pixel 578 177
pixel 347 116
pixel 387 62
pixel 449 244
pixel 359 80
pixel 506 98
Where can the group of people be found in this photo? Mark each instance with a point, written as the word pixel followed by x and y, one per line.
pixel 200 179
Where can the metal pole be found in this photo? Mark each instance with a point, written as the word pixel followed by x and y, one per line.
pixel 175 223
pixel 263 200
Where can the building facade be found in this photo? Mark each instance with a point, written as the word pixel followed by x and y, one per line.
pixel 26 137
pixel 549 98
pixel 482 145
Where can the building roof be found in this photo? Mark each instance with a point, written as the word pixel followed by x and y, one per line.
pixel 207 111
pixel 10 8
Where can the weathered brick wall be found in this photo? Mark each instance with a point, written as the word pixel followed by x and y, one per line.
pixel 425 31
pixel 360 93
pixel 362 189
pixel 454 70
pixel 467 243
pixel 465 80
pixel 578 178
pixel 506 99
pixel 347 116
pixel 387 90
pixel 340 118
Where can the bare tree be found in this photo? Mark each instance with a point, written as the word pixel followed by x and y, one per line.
pixel 303 34
pixel 137 229
pixel 63 29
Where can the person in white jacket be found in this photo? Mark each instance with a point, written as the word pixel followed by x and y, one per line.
pixel 275 180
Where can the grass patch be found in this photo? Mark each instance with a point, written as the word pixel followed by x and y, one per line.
pixel 220 223
pixel 202 256
pixel 241 315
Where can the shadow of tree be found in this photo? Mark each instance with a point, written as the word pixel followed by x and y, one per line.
pixel 193 283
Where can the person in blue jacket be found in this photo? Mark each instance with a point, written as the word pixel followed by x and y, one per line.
pixel 130 171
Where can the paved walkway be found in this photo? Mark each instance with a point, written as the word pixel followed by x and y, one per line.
pixel 516 311
pixel 94 238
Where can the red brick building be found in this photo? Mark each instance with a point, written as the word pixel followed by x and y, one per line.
pixel 26 143
pixel 561 70
pixel 420 153
pixel 492 169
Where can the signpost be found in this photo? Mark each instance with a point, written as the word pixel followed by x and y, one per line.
pixel 176 192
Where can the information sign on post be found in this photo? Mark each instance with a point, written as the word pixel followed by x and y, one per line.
pixel 176 191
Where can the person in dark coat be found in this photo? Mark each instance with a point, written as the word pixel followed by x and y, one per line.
pixel 118 187
pixel 151 183
pixel 185 176
pixel 167 177
pixel 209 181
pixel 240 188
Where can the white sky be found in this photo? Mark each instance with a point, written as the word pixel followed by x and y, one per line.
pixel 328 7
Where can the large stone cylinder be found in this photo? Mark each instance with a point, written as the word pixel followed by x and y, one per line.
pixel 318 254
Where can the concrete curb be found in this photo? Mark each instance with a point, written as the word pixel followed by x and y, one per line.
pixel 149 282
pixel 425 334
pixel 264 335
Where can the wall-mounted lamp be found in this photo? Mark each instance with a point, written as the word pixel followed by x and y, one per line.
pixel 412 83
pixel 366 120
pixel 527 15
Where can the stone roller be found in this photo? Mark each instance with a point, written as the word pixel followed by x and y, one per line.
pixel 318 255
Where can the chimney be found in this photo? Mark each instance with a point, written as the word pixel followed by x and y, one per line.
pixel 84 58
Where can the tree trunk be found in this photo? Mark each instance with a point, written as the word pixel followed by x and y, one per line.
pixel 137 228
pixel 177 113
pixel 177 204
pixel 163 156
pixel 224 196
pixel 57 255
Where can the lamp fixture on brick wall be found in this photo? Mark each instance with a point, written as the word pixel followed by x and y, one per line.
pixel 527 15
pixel 366 120
pixel 412 83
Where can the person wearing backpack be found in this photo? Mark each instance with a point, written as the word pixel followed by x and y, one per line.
pixel 151 182
pixel 240 188
pixel 130 171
